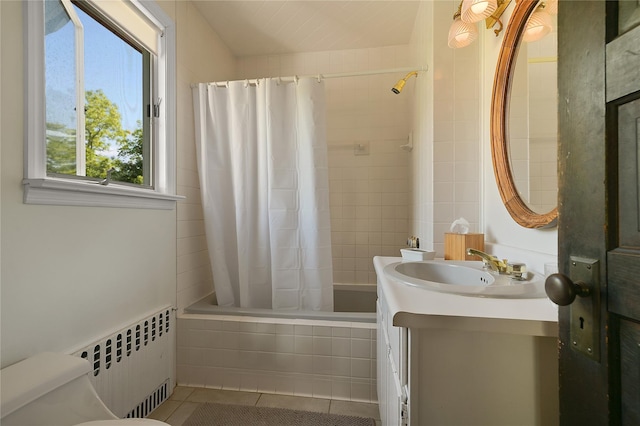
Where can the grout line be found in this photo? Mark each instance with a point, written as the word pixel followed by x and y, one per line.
pixel 173 411
pixel 258 400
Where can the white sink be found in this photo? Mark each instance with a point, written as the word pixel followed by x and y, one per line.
pixel 466 278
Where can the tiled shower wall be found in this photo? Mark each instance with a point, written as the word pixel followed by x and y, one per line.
pixel 368 171
pixel 447 160
pixel 457 134
pixel 195 36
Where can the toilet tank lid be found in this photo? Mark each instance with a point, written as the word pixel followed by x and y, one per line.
pixel 29 379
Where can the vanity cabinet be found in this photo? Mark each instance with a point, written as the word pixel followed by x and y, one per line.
pixel 391 367
pixel 436 368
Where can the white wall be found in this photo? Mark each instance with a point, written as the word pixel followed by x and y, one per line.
pixel 202 57
pixel 369 194
pixel 374 205
pixel 499 227
pixel 451 175
pixel 452 169
pixel 422 170
pixel 447 127
pixel 70 275
pixel 542 67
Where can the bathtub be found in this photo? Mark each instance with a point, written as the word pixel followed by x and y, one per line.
pixel 352 302
pixel 319 354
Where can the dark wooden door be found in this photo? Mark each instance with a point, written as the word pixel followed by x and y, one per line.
pixel 599 214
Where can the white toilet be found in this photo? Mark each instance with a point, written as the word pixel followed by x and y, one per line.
pixel 52 389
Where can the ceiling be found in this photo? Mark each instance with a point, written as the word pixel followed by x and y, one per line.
pixel 264 27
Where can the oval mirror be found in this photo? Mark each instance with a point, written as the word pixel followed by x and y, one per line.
pixel 524 212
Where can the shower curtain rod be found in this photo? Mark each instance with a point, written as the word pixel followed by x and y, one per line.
pixel 323 76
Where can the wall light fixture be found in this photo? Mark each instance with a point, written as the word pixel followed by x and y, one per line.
pixel 540 22
pixel 463 30
pixel 551 6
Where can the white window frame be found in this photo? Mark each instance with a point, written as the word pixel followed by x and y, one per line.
pixel 42 189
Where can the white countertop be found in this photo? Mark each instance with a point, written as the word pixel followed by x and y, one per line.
pixel 421 308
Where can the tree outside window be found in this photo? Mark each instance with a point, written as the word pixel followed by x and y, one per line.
pixel 104 130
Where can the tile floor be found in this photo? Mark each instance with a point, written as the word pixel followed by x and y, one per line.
pixel 185 400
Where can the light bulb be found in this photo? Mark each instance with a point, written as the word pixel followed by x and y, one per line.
pixel 461 34
pixel 477 10
pixel 480 7
pixel 539 25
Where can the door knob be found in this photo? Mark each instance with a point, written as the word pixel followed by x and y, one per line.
pixel 562 291
pixel 582 279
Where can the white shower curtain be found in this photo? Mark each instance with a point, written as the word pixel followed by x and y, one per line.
pixel 262 161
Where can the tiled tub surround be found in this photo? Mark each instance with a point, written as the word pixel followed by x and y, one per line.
pixel 369 198
pixel 316 358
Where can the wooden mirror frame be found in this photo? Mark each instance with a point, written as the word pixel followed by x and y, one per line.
pixel 503 78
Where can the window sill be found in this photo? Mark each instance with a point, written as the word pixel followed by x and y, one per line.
pixel 52 191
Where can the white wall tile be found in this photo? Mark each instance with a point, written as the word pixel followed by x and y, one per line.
pixel 341 366
pixel 266 362
pixel 303 387
pixel 361 391
pixel 303 330
pixel 340 389
pixel 322 345
pixel 248 382
pixel 341 347
pixel 303 345
pixel 321 388
pixel 303 364
pixel 322 365
pixel 361 368
pixel 285 343
pixel 267 384
pixel 284 386
pixel 361 348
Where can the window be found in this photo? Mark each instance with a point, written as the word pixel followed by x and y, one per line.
pixel 98 81
pixel 99 120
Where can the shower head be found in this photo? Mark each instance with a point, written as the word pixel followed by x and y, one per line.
pixel 400 84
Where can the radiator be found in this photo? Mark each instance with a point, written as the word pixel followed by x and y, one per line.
pixel 133 368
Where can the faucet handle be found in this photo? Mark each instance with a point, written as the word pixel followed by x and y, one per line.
pixel 517 270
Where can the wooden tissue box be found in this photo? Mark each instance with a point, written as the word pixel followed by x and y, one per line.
pixel 456 245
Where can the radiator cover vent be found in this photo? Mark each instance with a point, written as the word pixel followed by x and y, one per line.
pixel 133 368
pixel 151 402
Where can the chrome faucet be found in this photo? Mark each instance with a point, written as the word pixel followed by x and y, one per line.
pixel 490 261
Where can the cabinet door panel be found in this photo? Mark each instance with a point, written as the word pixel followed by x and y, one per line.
pixel 390 386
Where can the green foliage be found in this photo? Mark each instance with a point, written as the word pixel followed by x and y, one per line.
pixel 103 129
pixel 103 125
pixel 61 149
pixel 129 164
